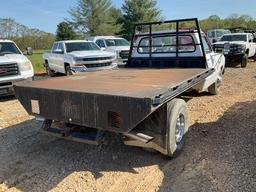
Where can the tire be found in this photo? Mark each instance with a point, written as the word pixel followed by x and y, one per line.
pixel 244 61
pixel 214 88
pixel 177 126
pixel 68 70
pixel 254 58
pixel 48 70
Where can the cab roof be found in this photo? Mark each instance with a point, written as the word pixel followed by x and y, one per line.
pixel 232 34
pixel 72 41
pixel 93 38
pixel 6 40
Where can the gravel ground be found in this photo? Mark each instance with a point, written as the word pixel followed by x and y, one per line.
pixel 220 151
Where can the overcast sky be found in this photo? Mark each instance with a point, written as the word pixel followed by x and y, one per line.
pixel 46 14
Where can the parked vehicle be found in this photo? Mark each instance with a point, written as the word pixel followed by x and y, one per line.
pixel 216 34
pixel 14 67
pixel 119 46
pixel 237 47
pixel 142 101
pixel 68 57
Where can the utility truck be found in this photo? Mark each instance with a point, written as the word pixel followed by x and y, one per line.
pixel 142 102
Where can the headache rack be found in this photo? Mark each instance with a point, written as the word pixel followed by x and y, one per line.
pixel 176 60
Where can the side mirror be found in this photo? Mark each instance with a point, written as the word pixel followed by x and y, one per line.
pixel 29 51
pixel 103 49
pixel 214 41
pixel 250 41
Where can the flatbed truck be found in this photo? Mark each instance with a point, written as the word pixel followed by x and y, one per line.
pixel 142 101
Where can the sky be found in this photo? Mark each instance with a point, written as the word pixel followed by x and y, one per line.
pixel 46 14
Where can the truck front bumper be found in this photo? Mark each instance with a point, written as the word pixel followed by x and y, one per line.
pixel 6 86
pixel 233 57
pixel 82 68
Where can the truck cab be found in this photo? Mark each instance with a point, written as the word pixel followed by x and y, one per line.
pixel 14 67
pixel 215 35
pixel 119 46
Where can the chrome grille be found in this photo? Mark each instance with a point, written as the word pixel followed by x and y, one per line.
pixel 97 59
pixel 124 54
pixel 98 65
pixel 9 69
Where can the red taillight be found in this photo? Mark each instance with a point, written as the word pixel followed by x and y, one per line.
pixel 114 119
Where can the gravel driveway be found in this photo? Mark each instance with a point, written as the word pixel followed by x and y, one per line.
pixel 220 151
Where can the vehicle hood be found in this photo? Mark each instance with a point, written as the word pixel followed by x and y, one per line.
pixel 91 54
pixel 12 58
pixel 231 43
pixel 118 48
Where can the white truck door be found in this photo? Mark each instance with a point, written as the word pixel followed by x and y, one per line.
pixel 214 60
pixel 52 57
pixel 60 58
pixel 208 52
pixel 252 46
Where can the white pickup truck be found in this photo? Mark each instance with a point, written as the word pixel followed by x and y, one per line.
pixel 68 57
pixel 14 67
pixel 119 46
pixel 237 47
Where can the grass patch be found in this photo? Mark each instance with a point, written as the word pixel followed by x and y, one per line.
pixel 37 60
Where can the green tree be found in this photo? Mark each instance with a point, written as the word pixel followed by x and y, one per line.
pixel 94 17
pixel 137 11
pixel 65 32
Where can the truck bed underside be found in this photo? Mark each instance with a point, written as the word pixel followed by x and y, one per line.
pixel 114 100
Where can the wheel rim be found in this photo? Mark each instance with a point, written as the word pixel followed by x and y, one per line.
pixel 180 128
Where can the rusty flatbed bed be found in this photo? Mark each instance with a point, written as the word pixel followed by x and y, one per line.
pixel 138 83
pixel 90 99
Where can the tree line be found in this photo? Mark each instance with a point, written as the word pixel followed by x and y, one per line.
pixel 24 36
pixel 100 17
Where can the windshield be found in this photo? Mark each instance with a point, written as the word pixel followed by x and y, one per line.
pixel 218 33
pixel 234 38
pixel 8 48
pixel 81 46
pixel 117 42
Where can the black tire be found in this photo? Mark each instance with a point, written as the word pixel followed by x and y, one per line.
pixel 176 112
pixel 254 58
pixel 48 70
pixel 214 88
pixel 244 61
pixel 68 70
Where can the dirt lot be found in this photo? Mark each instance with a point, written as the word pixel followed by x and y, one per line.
pixel 220 151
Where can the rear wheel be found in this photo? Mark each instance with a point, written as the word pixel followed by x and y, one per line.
pixel 177 126
pixel 48 70
pixel 244 61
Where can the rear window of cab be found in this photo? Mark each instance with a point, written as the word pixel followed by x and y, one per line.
pixel 167 44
